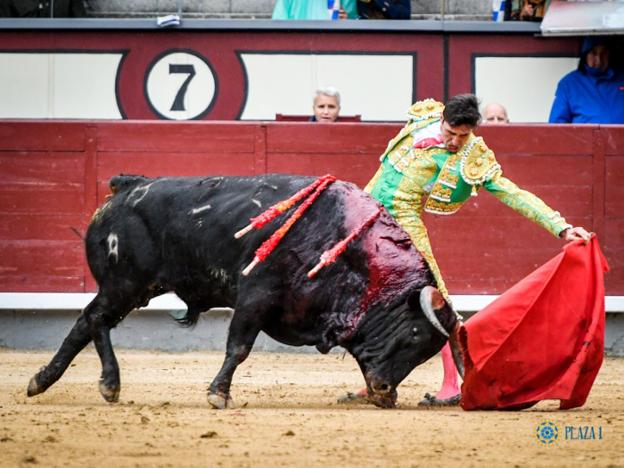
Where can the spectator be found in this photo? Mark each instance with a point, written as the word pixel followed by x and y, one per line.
pixel 594 92
pixel 41 8
pixel 527 10
pixel 494 113
pixel 326 105
pixel 384 9
pixel 312 9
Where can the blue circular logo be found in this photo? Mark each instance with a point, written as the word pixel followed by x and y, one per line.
pixel 547 433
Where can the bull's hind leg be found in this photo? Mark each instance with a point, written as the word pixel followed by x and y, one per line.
pixel 93 324
pixel 242 334
pixel 76 340
pixel 103 314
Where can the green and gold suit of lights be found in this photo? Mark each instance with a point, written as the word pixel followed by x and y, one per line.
pixel 412 179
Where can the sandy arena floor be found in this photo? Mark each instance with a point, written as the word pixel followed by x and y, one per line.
pixel 287 416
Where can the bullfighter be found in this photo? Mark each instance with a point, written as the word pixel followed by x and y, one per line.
pixel 436 163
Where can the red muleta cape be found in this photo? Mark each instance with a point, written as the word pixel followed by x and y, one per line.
pixel 543 339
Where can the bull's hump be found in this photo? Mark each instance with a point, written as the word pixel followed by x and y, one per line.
pixel 394 263
pixel 123 182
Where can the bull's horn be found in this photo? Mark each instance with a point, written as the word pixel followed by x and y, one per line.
pixel 456 349
pixel 426 304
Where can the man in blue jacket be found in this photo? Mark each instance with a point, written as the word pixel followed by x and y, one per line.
pixel 594 93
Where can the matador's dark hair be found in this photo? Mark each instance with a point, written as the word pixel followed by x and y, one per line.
pixel 462 109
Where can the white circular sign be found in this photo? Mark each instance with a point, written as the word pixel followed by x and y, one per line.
pixel 180 85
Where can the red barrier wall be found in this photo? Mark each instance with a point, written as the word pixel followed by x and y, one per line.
pixel 54 174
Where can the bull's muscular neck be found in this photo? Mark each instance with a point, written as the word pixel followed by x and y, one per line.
pixel 382 327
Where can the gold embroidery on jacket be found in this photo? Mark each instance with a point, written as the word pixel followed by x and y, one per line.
pixel 442 208
pixel 407 206
pixel 420 115
pixel 443 188
pixel 477 164
pixel 428 109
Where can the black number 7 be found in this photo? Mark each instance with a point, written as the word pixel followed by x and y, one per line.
pixel 178 102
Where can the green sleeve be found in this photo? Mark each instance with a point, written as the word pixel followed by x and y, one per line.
pixel 525 203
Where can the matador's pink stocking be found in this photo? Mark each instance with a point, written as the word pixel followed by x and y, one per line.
pixel 450 384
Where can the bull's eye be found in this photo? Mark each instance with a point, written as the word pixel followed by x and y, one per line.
pixel 415 331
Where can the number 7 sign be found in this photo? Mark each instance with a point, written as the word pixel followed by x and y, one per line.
pixel 180 85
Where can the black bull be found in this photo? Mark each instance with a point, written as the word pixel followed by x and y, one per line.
pixel 176 234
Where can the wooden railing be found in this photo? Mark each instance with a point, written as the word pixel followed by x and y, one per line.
pixel 54 174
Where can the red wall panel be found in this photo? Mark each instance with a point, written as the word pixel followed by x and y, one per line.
pixel 178 137
pixel 48 136
pixel 614 203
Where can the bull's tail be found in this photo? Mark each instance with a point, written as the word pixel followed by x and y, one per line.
pixel 189 318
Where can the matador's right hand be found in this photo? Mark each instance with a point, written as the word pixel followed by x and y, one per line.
pixel 576 233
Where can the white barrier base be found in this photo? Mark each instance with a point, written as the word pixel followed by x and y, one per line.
pixel 77 301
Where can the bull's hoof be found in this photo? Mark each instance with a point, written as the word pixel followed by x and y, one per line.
pixel 431 401
pixel 34 388
pixel 219 401
pixel 110 394
pixel 383 402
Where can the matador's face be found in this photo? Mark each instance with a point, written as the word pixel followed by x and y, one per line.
pixel 454 137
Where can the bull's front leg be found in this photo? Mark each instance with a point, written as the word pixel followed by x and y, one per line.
pixel 243 332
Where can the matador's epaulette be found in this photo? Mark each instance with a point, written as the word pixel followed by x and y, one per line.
pixel 477 162
pixel 419 115
pixel 427 110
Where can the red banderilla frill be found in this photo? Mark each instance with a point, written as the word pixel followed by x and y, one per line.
pixel 330 255
pixel 280 207
pixel 269 245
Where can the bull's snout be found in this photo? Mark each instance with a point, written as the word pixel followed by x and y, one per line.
pixel 382 389
pixel 382 394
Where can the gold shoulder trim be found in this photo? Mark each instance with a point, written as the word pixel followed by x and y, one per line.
pixel 477 163
pixel 420 115
pixel 428 109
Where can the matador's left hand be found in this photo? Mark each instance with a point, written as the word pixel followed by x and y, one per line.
pixel 575 233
